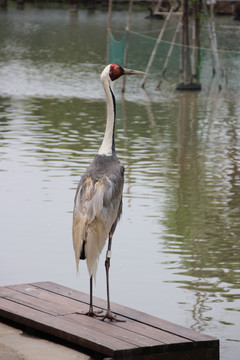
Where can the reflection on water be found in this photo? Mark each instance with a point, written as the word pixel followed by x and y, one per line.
pixel 179 235
pixel 202 217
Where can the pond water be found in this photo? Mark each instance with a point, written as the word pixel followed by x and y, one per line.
pixel 176 250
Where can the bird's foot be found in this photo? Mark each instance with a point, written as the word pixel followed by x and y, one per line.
pixel 109 315
pixel 92 313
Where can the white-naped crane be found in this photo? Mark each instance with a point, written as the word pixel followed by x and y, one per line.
pixel 98 199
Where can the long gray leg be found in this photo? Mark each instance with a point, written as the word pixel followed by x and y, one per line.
pixel 91 296
pixel 109 314
pixel 90 311
pixel 107 266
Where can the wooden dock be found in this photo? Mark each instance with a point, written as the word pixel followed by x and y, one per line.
pixel 53 310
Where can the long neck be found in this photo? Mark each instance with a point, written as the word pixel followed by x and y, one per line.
pixel 108 144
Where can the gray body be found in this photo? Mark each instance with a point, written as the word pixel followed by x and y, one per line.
pixel 97 208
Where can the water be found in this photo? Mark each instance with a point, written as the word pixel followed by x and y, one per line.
pixel 176 251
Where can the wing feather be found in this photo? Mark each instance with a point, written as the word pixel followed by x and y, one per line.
pixel 96 209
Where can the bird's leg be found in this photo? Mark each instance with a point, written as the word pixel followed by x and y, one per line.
pixel 107 266
pixel 91 296
pixel 109 314
pixel 90 311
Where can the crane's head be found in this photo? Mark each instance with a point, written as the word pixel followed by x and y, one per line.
pixel 113 72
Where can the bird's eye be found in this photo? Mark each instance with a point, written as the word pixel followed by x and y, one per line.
pixel 115 71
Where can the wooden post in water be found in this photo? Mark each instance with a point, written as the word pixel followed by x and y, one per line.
pixel 187 78
pixel 185 53
pixel 127 41
pixel 214 38
pixel 213 41
pixel 196 40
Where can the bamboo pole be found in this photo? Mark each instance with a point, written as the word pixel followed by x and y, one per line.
pixel 158 5
pixel 195 40
pixel 127 41
pixel 209 35
pixel 194 45
pixel 170 50
pixel 156 45
pixel 213 42
pixel 186 63
pixel 214 36
pixel 187 76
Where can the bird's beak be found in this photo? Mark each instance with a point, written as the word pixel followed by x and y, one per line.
pixel 133 72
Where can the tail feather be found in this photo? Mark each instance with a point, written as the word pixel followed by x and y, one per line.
pixel 78 237
pixel 96 238
pixel 88 242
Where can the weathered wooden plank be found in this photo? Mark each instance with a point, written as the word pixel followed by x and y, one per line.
pixel 23 296
pixel 165 336
pixel 61 305
pixel 153 333
pixel 80 333
pixel 68 292
pixel 59 327
pixel 142 318
pixel 54 304
pixel 113 330
pixel 42 304
pixel 53 308
pixel 129 313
